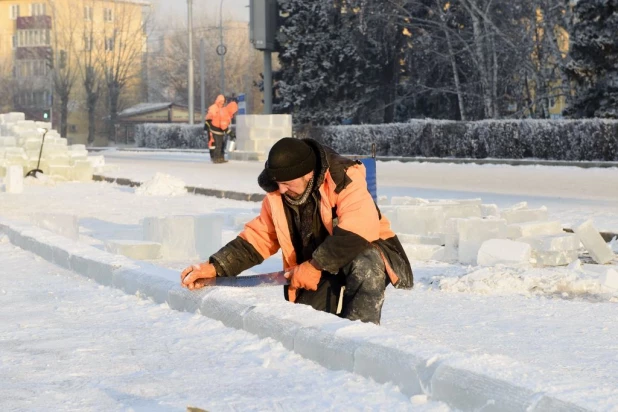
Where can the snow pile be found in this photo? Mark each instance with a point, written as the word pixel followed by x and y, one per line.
pixel 41 179
pixel 162 185
pixel 567 283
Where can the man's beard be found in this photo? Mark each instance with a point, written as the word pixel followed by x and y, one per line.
pixel 299 199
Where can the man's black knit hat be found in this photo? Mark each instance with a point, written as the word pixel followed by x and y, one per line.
pixel 290 159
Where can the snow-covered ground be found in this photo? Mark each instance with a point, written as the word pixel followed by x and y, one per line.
pixel 550 328
pixel 68 344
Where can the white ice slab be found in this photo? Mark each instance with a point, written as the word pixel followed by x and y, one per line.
pixel 473 232
pixel 77 148
pixel 82 171
pixel 14 180
pixel 561 258
pixel 420 220
pixel 134 249
pixel 451 239
pixel 421 240
pixel 62 224
pixel 490 210
pixel 593 242
pixel 407 200
pixel 424 252
pixel 524 215
pixel 8 141
pixel 519 230
pixel 462 210
pixel 59 172
pixel 552 243
pixel 185 237
pixel 504 252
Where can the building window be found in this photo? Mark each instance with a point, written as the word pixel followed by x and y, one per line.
pixel 88 13
pixel 26 69
pixel 87 43
pixel 552 102
pixel 109 44
pixel 108 15
pixel 37 9
pixel 14 11
pixel 33 38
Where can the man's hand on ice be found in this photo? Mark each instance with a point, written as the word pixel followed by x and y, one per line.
pixel 194 276
pixel 303 276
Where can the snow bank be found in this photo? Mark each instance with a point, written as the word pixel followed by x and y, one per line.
pixel 162 185
pixel 566 283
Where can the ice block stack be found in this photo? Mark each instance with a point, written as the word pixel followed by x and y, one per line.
pixel 20 145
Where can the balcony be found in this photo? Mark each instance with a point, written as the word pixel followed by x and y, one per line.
pixel 34 22
pixel 33 53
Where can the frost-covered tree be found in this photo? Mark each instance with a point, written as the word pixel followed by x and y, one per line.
pixel 323 77
pixel 594 65
pixel 378 31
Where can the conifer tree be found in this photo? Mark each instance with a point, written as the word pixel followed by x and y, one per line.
pixel 594 65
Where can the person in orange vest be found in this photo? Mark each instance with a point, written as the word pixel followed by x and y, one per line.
pixel 217 123
pixel 339 252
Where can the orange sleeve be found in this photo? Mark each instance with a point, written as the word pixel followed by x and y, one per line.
pixel 261 233
pixel 232 108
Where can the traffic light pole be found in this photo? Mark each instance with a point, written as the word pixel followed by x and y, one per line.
pixel 268 82
pixel 191 91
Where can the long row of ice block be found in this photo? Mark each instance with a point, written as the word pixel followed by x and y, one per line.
pixel 470 232
pixel 169 238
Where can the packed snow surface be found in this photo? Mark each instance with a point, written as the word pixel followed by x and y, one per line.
pixel 69 344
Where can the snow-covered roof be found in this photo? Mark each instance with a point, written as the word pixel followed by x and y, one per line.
pixel 144 108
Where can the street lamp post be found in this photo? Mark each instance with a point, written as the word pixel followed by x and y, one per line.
pixel 191 92
pixel 221 49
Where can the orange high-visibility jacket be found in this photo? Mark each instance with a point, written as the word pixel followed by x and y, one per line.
pixel 343 196
pixel 356 212
pixel 219 115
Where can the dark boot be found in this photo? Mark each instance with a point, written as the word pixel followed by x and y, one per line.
pixel 366 280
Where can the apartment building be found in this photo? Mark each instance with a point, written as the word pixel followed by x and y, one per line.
pixel 45 39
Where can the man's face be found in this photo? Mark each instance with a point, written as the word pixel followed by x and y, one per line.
pixel 295 188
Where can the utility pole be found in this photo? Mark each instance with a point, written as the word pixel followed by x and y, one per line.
pixel 191 92
pixel 203 78
pixel 221 50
